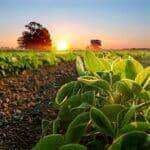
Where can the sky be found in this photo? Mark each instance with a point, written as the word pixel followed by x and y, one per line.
pixel 118 23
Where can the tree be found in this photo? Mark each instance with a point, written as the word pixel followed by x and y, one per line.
pixel 35 37
pixel 95 45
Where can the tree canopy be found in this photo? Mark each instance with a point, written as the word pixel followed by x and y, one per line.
pixel 35 37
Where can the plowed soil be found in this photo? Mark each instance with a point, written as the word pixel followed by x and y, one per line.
pixel 25 100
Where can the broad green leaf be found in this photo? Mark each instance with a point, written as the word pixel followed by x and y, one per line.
pixel 94 82
pixel 69 107
pixel 92 62
pixel 116 78
pixel 128 116
pixel 88 79
pixel 127 88
pixel 82 106
pixel 74 134
pixel 52 142
pixel 120 117
pixel 136 126
pixel 118 66
pixel 132 68
pixel 101 84
pixel 88 97
pixel 104 75
pixel 137 65
pixel 135 140
pixel 80 66
pixel 66 108
pixel 112 111
pixel 133 86
pixel 106 63
pixel 64 92
pixel 77 100
pixel 77 88
pixel 122 90
pixel 102 121
pixel 142 77
pixel 73 147
pixel 77 128
pixel 109 76
pixel 144 95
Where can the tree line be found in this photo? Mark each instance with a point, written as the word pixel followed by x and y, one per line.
pixel 36 36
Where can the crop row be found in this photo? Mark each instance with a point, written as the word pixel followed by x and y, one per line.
pixel 108 107
pixel 14 62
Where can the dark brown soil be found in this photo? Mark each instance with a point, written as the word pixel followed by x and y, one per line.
pixel 25 100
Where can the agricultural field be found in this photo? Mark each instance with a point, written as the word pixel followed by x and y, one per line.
pixel 14 62
pixel 74 100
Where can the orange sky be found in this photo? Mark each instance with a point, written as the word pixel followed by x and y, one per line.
pixel 78 36
pixel 118 23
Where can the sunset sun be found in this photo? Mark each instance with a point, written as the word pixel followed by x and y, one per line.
pixel 62 45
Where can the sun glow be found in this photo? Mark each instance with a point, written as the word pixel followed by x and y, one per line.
pixel 62 45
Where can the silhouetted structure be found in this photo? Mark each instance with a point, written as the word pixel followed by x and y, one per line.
pixel 35 37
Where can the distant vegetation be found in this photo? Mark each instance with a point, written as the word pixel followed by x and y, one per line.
pixel 95 45
pixel 35 37
pixel 14 62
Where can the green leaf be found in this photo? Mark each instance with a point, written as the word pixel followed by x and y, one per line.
pixel 96 145
pixel 147 84
pixel 109 76
pixel 112 111
pixel 106 63
pixel 82 106
pixel 136 126
pixel 143 76
pixel 127 88
pixel 102 121
pixel 88 79
pixel 64 92
pixel 104 75
pixel 45 126
pixel 128 116
pixel 144 95
pixel 118 66
pixel 77 128
pixel 73 147
pixel 86 100
pixel 88 97
pixel 122 91
pixel 147 115
pixel 94 82
pixel 135 140
pixel 66 108
pixel 69 107
pixel 52 142
pixel 133 86
pixel 132 68
pixel 80 66
pixel 77 88
pixel 92 62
